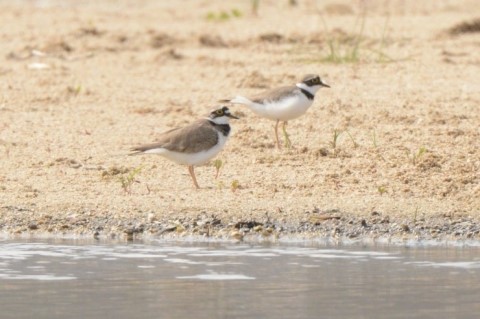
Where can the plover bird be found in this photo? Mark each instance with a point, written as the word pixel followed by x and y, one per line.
pixel 194 144
pixel 284 103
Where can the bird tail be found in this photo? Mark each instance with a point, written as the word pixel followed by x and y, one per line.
pixel 138 150
pixel 135 152
pixel 237 100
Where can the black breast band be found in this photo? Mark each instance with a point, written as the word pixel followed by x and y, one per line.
pixel 309 95
pixel 224 128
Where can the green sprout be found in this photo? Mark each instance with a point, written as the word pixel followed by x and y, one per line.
pixel 414 157
pixel 355 144
pixel 374 138
pixel 127 180
pixel 333 143
pixel 218 164
pixel 223 15
pixel 381 190
pixel 235 185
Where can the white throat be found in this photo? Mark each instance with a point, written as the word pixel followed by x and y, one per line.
pixel 311 89
pixel 220 120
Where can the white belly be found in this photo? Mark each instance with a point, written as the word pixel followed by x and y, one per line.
pixel 192 158
pixel 287 109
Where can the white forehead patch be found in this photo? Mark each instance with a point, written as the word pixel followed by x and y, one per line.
pixel 302 86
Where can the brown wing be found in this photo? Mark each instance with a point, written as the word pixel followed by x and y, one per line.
pixel 193 138
pixel 274 94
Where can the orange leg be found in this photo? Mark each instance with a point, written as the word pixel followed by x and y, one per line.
pixel 192 173
pixel 276 134
pixel 288 143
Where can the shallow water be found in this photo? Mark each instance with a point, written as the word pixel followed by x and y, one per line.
pixel 79 279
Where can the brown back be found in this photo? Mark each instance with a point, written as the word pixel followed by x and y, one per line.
pixel 196 137
pixel 274 94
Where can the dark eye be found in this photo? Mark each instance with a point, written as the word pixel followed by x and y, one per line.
pixel 219 112
pixel 316 80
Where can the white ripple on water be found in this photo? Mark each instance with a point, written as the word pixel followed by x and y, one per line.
pixel 229 253
pixel 184 256
pixel 367 253
pixel 301 252
pixel 453 264
pixel 135 255
pixel 215 276
pixel 36 277
pixel 332 256
pixel 182 261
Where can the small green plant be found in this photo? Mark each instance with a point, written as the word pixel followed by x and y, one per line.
pixel 382 57
pixel 255 4
pixel 345 49
pixel 381 190
pixel 338 54
pixel 223 15
pixel 218 164
pixel 127 180
pixel 415 214
pixel 211 16
pixel 220 185
pixel 333 143
pixel 374 138
pixel 415 156
pixel 355 144
pixel 236 13
pixel 351 47
pixel 235 185
pixel 74 90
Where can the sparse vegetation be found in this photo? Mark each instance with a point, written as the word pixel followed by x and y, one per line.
pixel 334 142
pixel 415 214
pixel 127 180
pixel 346 48
pixel 381 190
pixel 255 4
pixel 74 89
pixel 218 164
pixel 235 185
pixel 223 15
pixel 355 144
pixel 220 185
pixel 415 156
pixel 382 57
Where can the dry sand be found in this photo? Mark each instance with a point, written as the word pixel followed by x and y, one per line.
pixel 118 73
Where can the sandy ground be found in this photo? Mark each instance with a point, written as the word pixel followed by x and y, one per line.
pixel 81 83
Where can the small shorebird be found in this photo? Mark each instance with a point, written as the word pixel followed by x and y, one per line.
pixel 194 144
pixel 283 103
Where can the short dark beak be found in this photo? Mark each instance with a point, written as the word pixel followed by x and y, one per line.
pixel 324 84
pixel 233 116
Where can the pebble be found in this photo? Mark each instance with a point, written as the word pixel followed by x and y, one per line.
pixel 33 226
pixel 342 225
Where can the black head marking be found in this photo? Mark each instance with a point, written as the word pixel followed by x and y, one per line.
pixel 223 111
pixel 312 80
pixel 218 112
